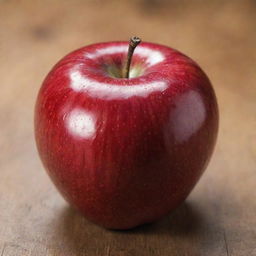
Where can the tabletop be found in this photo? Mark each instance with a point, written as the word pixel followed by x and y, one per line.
pixel 219 216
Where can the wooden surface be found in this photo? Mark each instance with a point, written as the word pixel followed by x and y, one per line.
pixel 219 217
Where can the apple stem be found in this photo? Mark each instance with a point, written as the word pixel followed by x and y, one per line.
pixel 134 41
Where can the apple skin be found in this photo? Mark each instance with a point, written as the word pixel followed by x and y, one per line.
pixel 125 151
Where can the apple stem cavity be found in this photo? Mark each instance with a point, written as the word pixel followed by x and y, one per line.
pixel 134 41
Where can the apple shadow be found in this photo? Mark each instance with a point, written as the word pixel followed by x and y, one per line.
pixel 184 220
pixel 81 236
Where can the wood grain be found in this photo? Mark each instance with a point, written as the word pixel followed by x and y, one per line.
pixel 219 217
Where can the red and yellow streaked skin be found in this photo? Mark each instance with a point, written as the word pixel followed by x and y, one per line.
pixel 125 151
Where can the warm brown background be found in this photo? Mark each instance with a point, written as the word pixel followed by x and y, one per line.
pixel 219 217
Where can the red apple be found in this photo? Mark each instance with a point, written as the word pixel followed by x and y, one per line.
pixel 125 151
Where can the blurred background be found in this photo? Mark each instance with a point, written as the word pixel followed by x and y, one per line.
pixel 219 217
